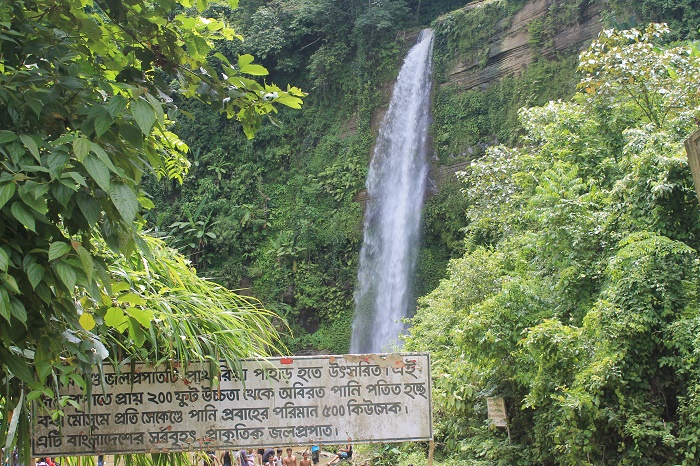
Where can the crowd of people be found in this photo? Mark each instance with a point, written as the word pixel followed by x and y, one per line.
pixel 261 457
pixel 274 457
pixel 251 457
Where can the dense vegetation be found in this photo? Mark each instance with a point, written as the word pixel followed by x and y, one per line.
pixel 275 215
pixel 572 288
pixel 576 299
pixel 86 111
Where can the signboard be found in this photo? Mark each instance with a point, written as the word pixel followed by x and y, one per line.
pixel 497 411
pixel 692 148
pixel 274 402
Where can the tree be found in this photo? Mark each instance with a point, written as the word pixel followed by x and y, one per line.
pixel 577 296
pixel 86 109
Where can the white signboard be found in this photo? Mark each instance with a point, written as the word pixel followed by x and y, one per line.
pixel 279 401
pixel 497 411
pixel 692 148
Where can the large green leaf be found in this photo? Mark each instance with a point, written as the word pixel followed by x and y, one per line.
pixel 81 148
pixel 35 273
pixel 136 332
pixel 131 134
pixel 18 366
pixel 86 261
pixel 5 311
pixel 115 318
pixel 125 201
pixel 66 273
pixel 102 124
pixel 58 249
pixel 7 136
pixel 131 298
pixel 289 101
pixel 254 70
pixel 98 171
pixel 10 282
pixel 35 105
pixel 87 321
pixel 31 146
pixel 18 310
pixel 23 215
pixel 115 105
pixel 7 190
pixel 32 194
pixel 143 316
pixel 144 114
pixel 63 193
pixel 4 260
pixel 90 207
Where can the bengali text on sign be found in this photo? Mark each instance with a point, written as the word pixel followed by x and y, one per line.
pixel 272 402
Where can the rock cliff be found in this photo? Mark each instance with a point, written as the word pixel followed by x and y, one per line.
pixel 511 47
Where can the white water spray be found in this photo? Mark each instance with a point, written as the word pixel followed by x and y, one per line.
pixel 395 187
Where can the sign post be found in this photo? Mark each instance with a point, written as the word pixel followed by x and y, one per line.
pixel 692 149
pixel 278 401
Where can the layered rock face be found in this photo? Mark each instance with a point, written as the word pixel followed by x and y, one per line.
pixel 511 49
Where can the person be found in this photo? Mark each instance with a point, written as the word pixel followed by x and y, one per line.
pixel 210 459
pixel 305 461
pixel 289 460
pixel 42 462
pixel 226 459
pixel 246 459
pixel 261 452
pixel 315 454
pixel 269 453
pixel 344 453
pixel 278 457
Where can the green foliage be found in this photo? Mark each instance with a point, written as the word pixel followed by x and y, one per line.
pixel 280 209
pixel 682 15
pixel 576 299
pixel 560 14
pixel 462 35
pixel 465 123
pixel 86 111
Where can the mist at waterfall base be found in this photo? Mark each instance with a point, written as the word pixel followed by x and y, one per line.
pixel 395 186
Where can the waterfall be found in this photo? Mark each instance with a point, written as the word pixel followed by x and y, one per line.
pixel 395 187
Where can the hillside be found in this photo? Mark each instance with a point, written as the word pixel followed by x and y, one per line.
pixel 277 217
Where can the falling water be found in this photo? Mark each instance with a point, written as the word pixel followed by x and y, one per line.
pixel 395 186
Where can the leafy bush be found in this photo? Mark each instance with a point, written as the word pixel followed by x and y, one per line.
pixel 579 274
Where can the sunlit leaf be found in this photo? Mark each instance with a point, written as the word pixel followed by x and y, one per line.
pixel 254 70
pixel 87 321
pixel 143 316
